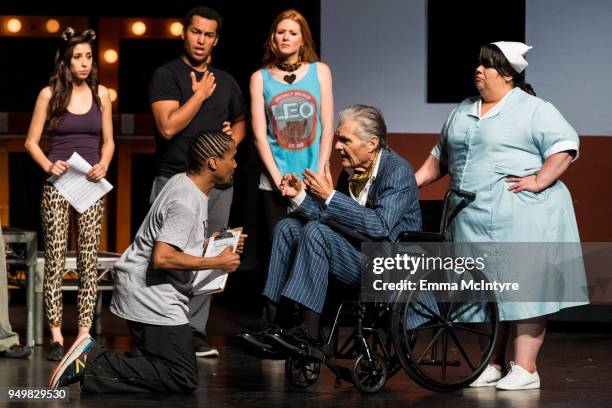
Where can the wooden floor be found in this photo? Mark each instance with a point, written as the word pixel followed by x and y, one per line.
pixel 575 368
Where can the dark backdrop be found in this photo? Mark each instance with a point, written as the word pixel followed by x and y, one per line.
pixel 455 32
pixel 27 64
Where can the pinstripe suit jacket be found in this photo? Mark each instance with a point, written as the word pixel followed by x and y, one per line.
pixel 392 205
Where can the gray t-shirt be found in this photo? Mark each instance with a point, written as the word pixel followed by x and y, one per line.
pixel 154 296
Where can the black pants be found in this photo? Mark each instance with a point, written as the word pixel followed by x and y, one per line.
pixel 276 209
pixel 168 363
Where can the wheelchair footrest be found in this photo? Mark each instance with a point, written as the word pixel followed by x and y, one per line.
pixel 301 350
pixel 342 373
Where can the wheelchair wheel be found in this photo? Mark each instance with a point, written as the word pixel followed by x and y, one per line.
pixel 301 373
pixel 445 340
pixel 369 376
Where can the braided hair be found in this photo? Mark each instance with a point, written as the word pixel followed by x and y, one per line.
pixel 209 143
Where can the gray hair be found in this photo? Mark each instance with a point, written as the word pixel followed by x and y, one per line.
pixel 370 122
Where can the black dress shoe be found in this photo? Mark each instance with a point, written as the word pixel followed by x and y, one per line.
pixel 255 343
pixel 297 342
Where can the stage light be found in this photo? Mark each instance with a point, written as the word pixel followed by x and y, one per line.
pixel 139 28
pixel 13 25
pixel 176 28
pixel 111 56
pixel 52 25
pixel 113 94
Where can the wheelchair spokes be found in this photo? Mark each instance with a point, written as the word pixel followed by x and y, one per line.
pixel 463 311
pixel 369 374
pixel 475 331
pixel 300 372
pixel 432 314
pixel 429 347
pixel 462 350
pixel 443 340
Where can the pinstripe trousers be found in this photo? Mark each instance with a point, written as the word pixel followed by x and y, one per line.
pixel 302 258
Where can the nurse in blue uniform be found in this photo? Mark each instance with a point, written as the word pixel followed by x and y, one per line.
pixel 510 148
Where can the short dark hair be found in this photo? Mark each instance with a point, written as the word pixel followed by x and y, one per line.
pixel 491 56
pixel 204 12
pixel 207 144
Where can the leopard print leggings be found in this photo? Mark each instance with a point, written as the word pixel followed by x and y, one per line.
pixel 55 214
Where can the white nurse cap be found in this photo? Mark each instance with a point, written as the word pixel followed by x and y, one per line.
pixel 514 53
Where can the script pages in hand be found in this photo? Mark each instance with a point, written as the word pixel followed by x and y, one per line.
pixel 74 186
pixel 213 280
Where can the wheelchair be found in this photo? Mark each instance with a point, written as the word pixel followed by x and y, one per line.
pixel 426 338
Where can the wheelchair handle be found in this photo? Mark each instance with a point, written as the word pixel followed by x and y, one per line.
pixel 447 214
pixel 468 195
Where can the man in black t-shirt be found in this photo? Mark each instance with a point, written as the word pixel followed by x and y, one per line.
pixel 188 96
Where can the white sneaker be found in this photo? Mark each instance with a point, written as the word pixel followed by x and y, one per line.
pixel 519 379
pixel 488 378
pixel 205 350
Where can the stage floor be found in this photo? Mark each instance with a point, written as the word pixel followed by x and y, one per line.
pixel 575 369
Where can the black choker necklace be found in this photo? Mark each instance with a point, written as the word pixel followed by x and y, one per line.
pixel 288 67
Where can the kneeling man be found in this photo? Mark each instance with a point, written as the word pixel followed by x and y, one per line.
pixel 153 283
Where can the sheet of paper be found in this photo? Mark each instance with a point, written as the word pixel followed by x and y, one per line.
pixel 213 280
pixel 74 186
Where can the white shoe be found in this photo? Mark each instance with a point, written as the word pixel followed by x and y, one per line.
pixel 203 349
pixel 206 351
pixel 488 378
pixel 519 379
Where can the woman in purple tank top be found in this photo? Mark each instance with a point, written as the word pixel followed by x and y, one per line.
pixel 75 111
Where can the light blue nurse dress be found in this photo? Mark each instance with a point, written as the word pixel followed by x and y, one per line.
pixel 512 139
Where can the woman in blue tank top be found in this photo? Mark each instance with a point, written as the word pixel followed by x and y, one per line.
pixel 292 109
pixel 76 112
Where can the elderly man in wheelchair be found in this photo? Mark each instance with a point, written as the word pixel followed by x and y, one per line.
pixel 375 200
pixel 376 197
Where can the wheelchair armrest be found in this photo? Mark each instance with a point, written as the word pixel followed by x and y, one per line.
pixel 420 236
